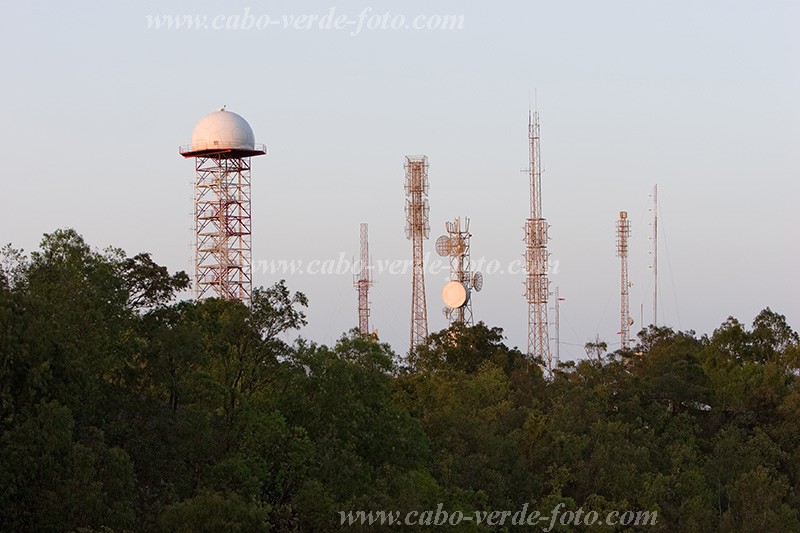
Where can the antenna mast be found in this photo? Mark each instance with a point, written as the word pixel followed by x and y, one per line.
pixel 655 254
pixel 363 282
pixel 417 229
pixel 623 232
pixel 536 283
pixel 558 327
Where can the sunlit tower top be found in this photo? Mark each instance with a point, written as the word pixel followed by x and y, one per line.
pixel 222 145
pixel 457 293
pixel 536 255
pixel 623 233
pixel 417 229
pixel 363 282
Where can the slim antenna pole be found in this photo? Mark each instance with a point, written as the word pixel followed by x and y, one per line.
pixel 655 255
pixel 623 232
pixel 641 314
pixel 558 328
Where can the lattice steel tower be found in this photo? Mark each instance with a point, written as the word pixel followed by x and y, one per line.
pixel 222 145
pixel 363 282
pixel 417 230
pixel 457 293
pixel 623 233
pixel 536 283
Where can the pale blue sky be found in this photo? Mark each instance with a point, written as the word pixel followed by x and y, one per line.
pixel 699 97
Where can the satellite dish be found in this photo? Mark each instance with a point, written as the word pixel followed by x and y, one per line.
pixel 457 246
pixel 630 321
pixel 443 246
pixel 454 294
pixel 477 281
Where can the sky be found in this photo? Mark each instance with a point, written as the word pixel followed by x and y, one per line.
pixel 697 97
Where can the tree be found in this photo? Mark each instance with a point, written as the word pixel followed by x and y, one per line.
pixel 771 336
pixel 214 511
pixel 52 482
pixel 343 399
pixel 669 370
pixel 470 392
pixel 465 348
pixel 596 348
pixel 758 503
pixel 242 345
pixel 149 284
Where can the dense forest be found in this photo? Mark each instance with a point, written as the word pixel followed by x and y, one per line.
pixel 125 409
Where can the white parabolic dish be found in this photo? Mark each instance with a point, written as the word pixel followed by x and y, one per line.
pixel 454 294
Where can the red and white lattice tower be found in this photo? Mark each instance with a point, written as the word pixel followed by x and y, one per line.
pixel 417 230
pixel 222 145
pixel 536 283
pixel 363 282
pixel 623 233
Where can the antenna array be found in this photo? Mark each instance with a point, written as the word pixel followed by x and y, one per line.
pixel 457 292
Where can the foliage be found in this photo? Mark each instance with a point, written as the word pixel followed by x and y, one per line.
pixel 123 408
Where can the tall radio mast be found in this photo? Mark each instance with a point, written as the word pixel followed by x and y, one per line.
pixel 417 229
pixel 536 283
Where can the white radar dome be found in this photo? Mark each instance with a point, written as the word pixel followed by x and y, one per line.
pixel 223 130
